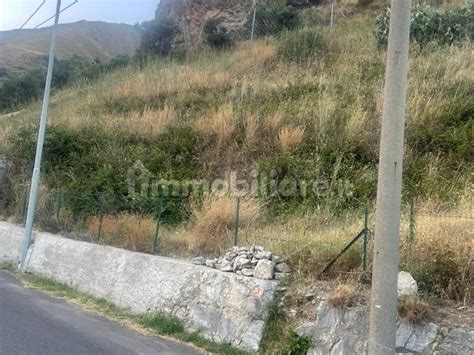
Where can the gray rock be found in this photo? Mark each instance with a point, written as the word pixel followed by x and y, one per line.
pixel 276 258
pixel 345 332
pixel 404 332
pixel 328 317
pixel 211 263
pixel 422 337
pixel 281 275
pixel 263 255
pixel 264 270
pixel 253 335
pixel 200 260
pixel 458 341
pixel 240 262
pixel 282 267
pixel 226 266
pixel 406 284
pixel 247 272
pixel 307 329
pixel 229 256
pixel 254 261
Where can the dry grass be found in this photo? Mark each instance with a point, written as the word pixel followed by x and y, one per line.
pixel 128 231
pixel 344 295
pixel 441 254
pixel 220 123
pixel 290 138
pixel 250 126
pixel 413 310
pixel 274 122
pixel 215 220
pixel 149 122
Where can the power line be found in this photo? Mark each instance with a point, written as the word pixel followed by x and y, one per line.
pixel 34 13
pixel 50 18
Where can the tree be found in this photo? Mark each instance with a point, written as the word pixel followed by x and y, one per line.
pixel 158 36
pixel 216 35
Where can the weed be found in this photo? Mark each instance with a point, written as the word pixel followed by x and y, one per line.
pixel 290 137
pixel 413 309
pixel 342 296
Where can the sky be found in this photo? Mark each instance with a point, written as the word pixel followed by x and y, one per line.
pixel 13 13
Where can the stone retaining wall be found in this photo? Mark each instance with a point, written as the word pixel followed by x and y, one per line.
pixel 345 332
pixel 225 307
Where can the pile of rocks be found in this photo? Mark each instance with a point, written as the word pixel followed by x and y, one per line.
pixel 252 261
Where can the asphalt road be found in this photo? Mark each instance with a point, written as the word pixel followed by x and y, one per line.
pixel 34 323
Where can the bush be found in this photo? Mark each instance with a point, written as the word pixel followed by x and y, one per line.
pixel 301 45
pixel 158 37
pixel 216 35
pixel 271 20
pixel 21 88
pixel 428 24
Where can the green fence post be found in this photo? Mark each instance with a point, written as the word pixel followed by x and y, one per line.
pixel 158 222
pixel 60 204
pixel 412 220
pixel 366 237
pixel 237 222
pixel 101 219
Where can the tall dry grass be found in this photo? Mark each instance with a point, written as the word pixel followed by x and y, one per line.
pixel 128 231
pixel 220 123
pixel 290 138
pixel 215 222
pixel 440 249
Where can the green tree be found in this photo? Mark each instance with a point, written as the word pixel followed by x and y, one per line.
pixel 216 35
pixel 158 36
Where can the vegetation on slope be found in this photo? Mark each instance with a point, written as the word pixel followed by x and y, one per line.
pixel 260 106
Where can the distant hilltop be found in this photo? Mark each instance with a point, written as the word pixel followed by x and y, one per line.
pixel 25 49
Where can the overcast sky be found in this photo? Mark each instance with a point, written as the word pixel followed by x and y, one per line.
pixel 13 13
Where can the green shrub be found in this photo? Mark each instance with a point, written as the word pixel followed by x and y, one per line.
pixel 297 345
pixel 157 37
pixel 216 35
pixel 90 165
pixel 301 45
pixel 428 25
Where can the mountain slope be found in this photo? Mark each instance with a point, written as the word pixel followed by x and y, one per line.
pixel 23 49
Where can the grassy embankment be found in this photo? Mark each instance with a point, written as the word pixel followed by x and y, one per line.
pixel 258 107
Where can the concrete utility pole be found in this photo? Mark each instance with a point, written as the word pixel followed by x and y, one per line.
pixel 39 148
pixel 383 307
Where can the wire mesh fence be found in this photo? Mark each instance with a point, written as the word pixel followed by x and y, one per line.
pixel 436 244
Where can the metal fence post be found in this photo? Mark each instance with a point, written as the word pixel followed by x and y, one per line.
pixel 101 218
pixel 332 14
pixel 158 222
pixel 60 204
pixel 412 221
pixel 366 237
pixel 254 19
pixel 237 222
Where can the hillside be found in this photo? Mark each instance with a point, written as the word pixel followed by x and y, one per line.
pixel 293 119
pixel 25 49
